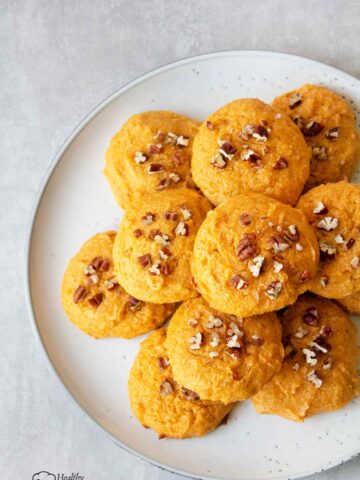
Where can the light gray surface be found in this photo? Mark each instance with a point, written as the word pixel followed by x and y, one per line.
pixel 58 60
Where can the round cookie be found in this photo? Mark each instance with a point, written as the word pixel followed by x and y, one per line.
pixel 329 128
pixel 254 255
pixel 351 303
pixel 222 357
pixel 95 302
pixel 154 245
pixel 150 153
pixel 160 403
pixel 248 146
pixel 334 212
pixel 319 373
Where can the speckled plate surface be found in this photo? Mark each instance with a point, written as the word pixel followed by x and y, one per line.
pixel 75 202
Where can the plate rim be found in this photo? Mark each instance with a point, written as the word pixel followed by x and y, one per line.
pixel 33 216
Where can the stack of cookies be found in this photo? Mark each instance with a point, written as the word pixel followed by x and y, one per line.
pixel 246 230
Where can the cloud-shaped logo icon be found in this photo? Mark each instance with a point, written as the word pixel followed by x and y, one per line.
pixel 43 476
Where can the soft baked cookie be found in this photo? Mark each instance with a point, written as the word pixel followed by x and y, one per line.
pixel 150 153
pixel 95 302
pixel 162 404
pixel 351 303
pixel 254 255
pixel 154 245
pixel 333 210
pixel 329 128
pixel 248 146
pixel 319 373
pixel 222 357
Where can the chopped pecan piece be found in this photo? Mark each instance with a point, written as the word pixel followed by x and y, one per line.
pixel 189 394
pixel 273 290
pixel 144 260
pixel 237 282
pixel 312 128
pixel 245 219
pixel 96 300
pixel 281 163
pixel 310 317
pixel 295 100
pixel 156 168
pixel 332 133
pixel 247 247
pixel 134 304
pixel 80 294
pixel 155 148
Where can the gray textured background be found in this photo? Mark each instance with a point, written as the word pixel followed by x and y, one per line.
pixel 58 60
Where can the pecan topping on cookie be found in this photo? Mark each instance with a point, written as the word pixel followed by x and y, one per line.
pixel 324 280
pixel 80 294
pixel 273 290
pixel 186 212
pixel 196 341
pixel 278 267
pixel 245 219
pixel 260 134
pixel 163 362
pixel 137 233
pixel 215 339
pixel 278 243
pixel 193 322
pixel 339 239
pixel 209 125
pixel 332 133
pixel 170 215
pixel 328 223
pixel 182 141
pixel 291 234
pixel 304 276
pixel 327 252
pixel 237 282
pixel 320 208
pixel 155 269
pixel 159 237
pixel 162 185
pixel 176 160
pixel 214 322
pixel 312 128
pixel 140 157
pixel 247 247
pixel 257 265
pixel 189 394
pixel 182 229
pixel 111 284
pixel 174 177
pixel 93 279
pixel 96 300
pixel 301 332
pixel 155 148
pixel 349 244
pixel 319 152
pixel 134 303
pixel 218 161
pixel 164 253
pixel 281 163
pixel 226 149
pixel 314 378
pixel 253 158
pixel 299 121
pixel 310 317
pixel 166 388
pixel 354 262
pixel 256 340
pixel 295 100
pixel 310 356
pixel 320 345
pixel 156 168
pixel 144 260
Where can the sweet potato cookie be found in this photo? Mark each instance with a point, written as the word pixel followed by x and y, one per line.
pixel 94 301
pixel 351 303
pixel 160 403
pixel 222 357
pixel 329 128
pixel 154 244
pixel 248 146
pixel 150 153
pixel 334 212
pixel 254 255
pixel 319 373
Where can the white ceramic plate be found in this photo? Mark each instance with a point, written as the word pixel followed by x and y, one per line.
pixel 76 202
